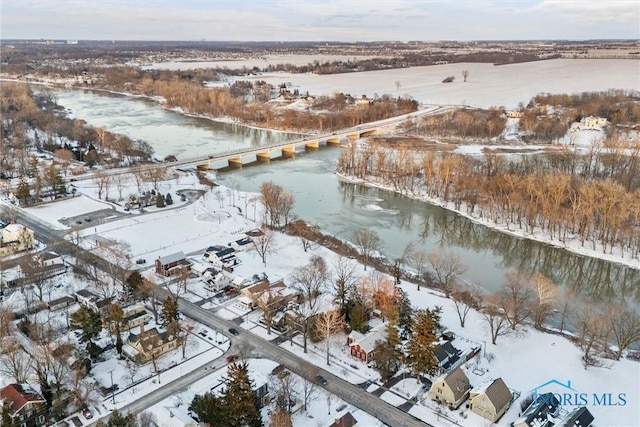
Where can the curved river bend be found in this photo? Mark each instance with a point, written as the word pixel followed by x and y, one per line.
pixel 341 208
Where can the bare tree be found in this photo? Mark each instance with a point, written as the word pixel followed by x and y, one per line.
pixel 497 322
pixel 345 279
pixel 15 362
pixel 594 329
pixel 186 329
pixel 283 386
pixel 263 244
pixel 310 280
pixel 515 299
pixel 465 74
pixel 118 253
pixel 278 204
pixel 448 267
pixel 6 322
pixel 328 324
pixel 309 392
pixel 465 300
pixel 545 298
pixel 569 303
pixel 102 179
pixel 625 327
pixel 147 419
pixel 269 302
pixel 155 175
pixel 420 259
pixel 120 180
pixel 369 242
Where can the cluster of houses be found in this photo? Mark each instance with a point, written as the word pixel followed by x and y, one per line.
pixel 492 398
pixel 221 258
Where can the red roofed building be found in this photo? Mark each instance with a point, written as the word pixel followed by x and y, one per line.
pixel 25 406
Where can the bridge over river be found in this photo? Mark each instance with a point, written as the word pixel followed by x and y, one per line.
pixel 265 153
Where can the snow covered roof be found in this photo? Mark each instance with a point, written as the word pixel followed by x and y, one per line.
pixel 368 343
pixel 168 259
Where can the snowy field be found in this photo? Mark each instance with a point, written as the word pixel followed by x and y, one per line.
pixel 253 62
pixel 486 86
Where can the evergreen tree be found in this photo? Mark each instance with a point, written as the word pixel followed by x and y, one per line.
pixel 405 311
pixel 210 410
pixel 358 317
pixel 88 322
pixel 387 356
pixel 133 284
pixel 170 315
pixel 420 356
pixel 23 192
pixel 159 201
pixel 239 398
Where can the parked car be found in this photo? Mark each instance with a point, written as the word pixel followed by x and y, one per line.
pixel 322 380
pixel 234 331
pixel 232 358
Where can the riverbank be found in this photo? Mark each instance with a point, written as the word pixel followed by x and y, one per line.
pixel 572 245
pixel 160 101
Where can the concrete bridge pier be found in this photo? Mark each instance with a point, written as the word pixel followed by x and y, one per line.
pixel 353 136
pixel 334 140
pixel 235 162
pixel 204 166
pixel 289 152
pixel 312 145
pixel 263 157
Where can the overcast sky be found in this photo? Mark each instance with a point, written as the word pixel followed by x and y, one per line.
pixel 332 20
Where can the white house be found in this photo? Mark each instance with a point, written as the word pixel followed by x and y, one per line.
pixel 593 122
pixel 222 256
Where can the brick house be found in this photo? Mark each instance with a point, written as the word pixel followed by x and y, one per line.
pixel 172 264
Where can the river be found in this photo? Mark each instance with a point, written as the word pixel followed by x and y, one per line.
pixel 340 208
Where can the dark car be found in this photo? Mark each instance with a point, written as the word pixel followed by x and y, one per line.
pixel 234 331
pixel 232 358
pixel 322 380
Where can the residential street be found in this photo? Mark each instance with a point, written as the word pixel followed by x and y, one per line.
pixel 244 343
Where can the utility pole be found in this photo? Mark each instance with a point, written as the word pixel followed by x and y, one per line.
pixel 113 391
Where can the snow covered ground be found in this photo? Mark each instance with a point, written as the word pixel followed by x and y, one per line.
pixel 524 359
pixel 486 86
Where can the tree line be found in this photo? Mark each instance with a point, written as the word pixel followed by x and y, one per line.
pixel 594 197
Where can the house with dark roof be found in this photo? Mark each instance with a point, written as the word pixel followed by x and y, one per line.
pixel 148 345
pixel 447 356
pixel 222 256
pixel 491 399
pixel 579 417
pixel 539 412
pixel 347 420
pixel 25 406
pixel 451 389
